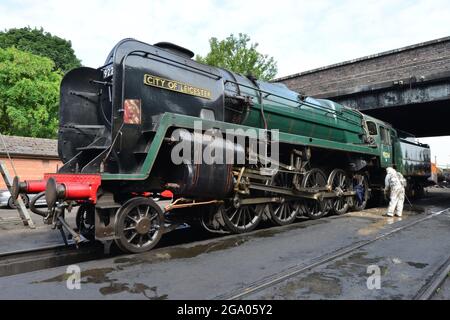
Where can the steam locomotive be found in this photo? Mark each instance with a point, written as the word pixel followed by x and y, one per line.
pixel 144 121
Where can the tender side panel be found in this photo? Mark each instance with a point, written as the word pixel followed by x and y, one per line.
pixel 415 159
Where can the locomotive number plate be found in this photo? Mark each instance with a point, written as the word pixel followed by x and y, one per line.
pixel 177 86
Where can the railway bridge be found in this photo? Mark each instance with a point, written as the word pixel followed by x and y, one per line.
pixel 408 87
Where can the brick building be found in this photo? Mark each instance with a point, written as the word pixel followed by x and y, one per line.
pixel 32 157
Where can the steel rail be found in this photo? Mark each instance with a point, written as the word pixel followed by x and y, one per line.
pixel 21 261
pixel 32 250
pixel 437 279
pixel 318 261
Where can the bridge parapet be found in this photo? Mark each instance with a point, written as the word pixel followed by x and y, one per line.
pixel 419 62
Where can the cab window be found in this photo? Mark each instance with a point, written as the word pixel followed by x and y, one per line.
pixel 388 136
pixel 372 127
pixel 385 136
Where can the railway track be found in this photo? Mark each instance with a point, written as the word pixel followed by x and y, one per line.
pixel 433 284
pixel 21 261
pixel 39 258
pixel 425 293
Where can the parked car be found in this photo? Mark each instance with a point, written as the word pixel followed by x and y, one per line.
pixel 7 201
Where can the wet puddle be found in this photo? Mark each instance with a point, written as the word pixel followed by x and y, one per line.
pixel 102 276
pixel 417 265
pixel 377 226
pixel 355 264
pixel 89 276
pixel 113 286
pixel 221 244
pixel 328 283
pixel 382 221
pixel 315 283
pixel 150 293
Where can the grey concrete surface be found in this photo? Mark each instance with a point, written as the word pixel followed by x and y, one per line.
pixel 405 260
pixel 210 268
pixel 15 236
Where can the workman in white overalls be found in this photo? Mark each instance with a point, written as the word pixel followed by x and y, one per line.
pixel 395 182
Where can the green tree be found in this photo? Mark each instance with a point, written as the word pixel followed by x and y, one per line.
pixel 42 43
pixel 239 55
pixel 29 94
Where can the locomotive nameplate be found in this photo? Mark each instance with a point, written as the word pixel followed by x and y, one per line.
pixel 177 86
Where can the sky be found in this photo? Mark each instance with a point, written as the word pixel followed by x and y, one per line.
pixel 300 34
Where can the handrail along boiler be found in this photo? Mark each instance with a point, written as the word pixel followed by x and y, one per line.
pixel 116 135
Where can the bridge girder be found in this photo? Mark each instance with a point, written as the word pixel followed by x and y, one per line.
pixel 421 108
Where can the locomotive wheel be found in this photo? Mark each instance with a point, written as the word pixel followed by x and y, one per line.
pixel 285 211
pixel 340 182
pixel 85 221
pixel 361 205
pixel 302 208
pixel 241 218
pixel 315 209
pixel 139 225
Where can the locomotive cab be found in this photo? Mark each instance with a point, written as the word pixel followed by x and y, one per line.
pixel 85 119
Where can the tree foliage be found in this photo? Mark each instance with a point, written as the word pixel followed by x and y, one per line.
pixel 239 55
pixel 43 44
pixel 29 94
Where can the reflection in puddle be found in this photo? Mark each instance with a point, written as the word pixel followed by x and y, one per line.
pixel 102 276
pixel 137 288
pixel 314 284
pixel 376 226
pixel 418 265
pixel 381 221
pixel 113 286
pixel 97 275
